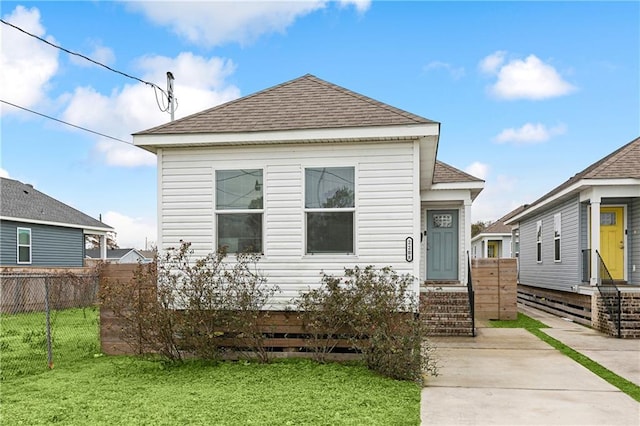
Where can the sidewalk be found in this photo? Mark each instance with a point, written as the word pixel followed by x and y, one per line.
pixel 510 377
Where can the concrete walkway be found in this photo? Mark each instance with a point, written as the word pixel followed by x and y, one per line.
pixel 510 377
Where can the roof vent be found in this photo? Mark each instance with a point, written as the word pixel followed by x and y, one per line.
pixel 29 185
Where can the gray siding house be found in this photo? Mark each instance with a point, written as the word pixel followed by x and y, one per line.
pixel 39 231
pixel 584 233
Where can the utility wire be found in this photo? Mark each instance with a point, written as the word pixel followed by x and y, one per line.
pixel 155 86
pixel 64 122
pixel 79 55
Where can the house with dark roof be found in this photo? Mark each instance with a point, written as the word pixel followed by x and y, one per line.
pixel 315 177
pixel 496 240
pixel 37 230
pixel 582 239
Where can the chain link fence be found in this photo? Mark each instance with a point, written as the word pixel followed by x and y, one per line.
pixel 46 320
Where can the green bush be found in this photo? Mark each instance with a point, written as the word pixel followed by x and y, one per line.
pixel 179 307
pixel 378 312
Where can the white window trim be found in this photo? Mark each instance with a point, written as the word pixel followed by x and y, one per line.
pixel 217 211
pixel 557 236
pixel 18 245
pixel 539 241
pixel 353 210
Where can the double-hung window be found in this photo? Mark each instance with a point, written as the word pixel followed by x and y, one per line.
pixel 556 236
pixel 330 209
pixel 24 245
pixel 539 241
pixel 239 210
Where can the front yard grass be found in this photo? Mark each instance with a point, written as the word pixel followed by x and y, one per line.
pixel 126 390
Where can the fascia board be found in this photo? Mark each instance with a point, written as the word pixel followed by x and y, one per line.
pixel 570 190
pixel 86 229
pixel 149 141
pixel 490 235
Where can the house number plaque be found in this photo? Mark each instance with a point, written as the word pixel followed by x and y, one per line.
pixel 409 249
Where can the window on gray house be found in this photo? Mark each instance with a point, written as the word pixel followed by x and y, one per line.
pixel 24 245
pixel 239 210
pixel 539 241
pixel 556 236
pixel 329 209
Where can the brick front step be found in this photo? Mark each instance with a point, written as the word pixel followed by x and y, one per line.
pixel 446 312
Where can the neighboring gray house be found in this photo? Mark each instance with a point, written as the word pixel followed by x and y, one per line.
pixel 315 177
pixel 584 232
pixel 496 240
pixel 39 231
pixel 121 255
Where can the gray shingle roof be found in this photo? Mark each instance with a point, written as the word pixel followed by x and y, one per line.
pixel 498 227
pixel 303 103
pixel 620 164
pixel 444 173
pixel 22 201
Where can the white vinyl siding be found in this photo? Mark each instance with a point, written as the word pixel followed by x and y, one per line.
pixel 385 191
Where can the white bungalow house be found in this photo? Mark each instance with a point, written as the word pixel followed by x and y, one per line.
pixel 583 238
pixel 316 178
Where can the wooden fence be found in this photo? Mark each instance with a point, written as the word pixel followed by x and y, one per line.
pixel 496 288
pixel 285 335
pixel 56 289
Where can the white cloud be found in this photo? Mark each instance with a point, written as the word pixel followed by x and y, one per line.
pixel 501 194
pixel 99 53
pixel 4 173
pixel 524 79
pixel 132 232
pixel 213 23
pixel 455 72
pixel 530 133
pixel 491 63
pixel 360 5
pixel 200 83
pixel 26 64
pixel 216 23
pixel 478 169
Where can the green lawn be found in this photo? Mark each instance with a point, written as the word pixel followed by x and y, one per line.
pixel 23 340
pixel 87 388
pixel 124 390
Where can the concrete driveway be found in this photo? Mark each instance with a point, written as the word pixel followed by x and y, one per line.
pixel 510 377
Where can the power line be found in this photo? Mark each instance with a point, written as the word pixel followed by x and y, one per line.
pixel 155 86
pixel 64 122
pixel 80 55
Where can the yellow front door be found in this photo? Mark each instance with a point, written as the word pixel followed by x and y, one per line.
pixel 612 240
pixel 492 249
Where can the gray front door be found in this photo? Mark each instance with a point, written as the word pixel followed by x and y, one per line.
pixel 442 245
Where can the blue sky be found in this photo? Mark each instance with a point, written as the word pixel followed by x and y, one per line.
pixel 527 93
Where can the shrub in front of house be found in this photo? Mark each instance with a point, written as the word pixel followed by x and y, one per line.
pixel 206 308
pixel 177 307
pixel 377 311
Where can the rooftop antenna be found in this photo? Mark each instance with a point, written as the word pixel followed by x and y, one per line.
pixel 170 97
